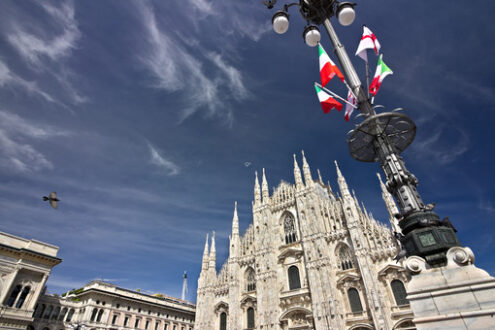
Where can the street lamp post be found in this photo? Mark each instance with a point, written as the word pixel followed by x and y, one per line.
pixel 378 138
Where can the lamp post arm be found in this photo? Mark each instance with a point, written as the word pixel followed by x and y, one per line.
pixel 349 72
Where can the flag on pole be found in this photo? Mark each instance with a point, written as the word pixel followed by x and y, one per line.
pixel 328 69
pixel 349 106
pixel 326 101
pixel 382 70
pixel 368 41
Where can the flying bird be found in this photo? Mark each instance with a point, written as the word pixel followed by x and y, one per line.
pixel 247 164
pixel 52 198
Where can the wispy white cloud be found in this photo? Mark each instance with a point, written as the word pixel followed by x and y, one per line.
pixel 8 78
pixel 234 76
pixel 440 148
pixel 163 163
pixel 16 137
pixel 44 49
pixel 35 48
pixel 177 64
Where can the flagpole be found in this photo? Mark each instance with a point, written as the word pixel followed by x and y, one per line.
pixel 367 78
pixel 335 95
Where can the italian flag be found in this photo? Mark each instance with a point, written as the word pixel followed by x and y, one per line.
pixel 326 101
pixel 382 70
pixel 328 69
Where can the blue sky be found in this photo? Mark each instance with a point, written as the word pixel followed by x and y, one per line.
pixel 141 115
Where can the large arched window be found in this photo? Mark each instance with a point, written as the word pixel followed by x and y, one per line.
pixel 250 318
pixel 93 315
pixel 250 280
pixel 23 296
pixel 294 280
pixel 400 293
pixel 13 295
pixel 69 316
pixel 56 313
pixel 223 321
pixel 41 310
pixel 290 228
pixel 354 300
pixel 62 315
pixel 48 312
pixel 100 313
pixel 345 258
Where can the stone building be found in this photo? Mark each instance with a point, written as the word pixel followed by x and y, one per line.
pixel 24 268
pixel 101 305
pixel 310 259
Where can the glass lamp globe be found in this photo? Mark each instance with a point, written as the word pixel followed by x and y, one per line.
pixel 346 14
pixel 280 22
pixel 312 36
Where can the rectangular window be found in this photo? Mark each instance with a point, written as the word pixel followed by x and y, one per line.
pixel 114 319
pixel 175 327
pixel 147 324
pixel 166 327
pixel 157 324
pixel 126 321
pixel 136 324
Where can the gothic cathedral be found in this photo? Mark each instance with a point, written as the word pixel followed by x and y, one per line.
pixel 311 259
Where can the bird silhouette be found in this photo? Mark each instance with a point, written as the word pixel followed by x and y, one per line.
pixel 52 198
pixel 400 255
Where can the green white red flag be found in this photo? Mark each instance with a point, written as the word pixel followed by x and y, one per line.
pixel 327 102
pixel 382 70
pixel 368 41
pixel 328 69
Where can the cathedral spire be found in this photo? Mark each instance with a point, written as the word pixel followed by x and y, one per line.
pixel 205 255
pixel 297 175
pixel 264 188
pixel 390 204
pixel 257 190
pixel 319 176
pixel 235 222
pixel 306 171
pixel 344 190
pixel 212 258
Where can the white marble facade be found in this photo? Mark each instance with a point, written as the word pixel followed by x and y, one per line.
pixel 102 305
pixel 24 268
pixel 311 259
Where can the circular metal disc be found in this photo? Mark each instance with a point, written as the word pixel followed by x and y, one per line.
pixel 398 128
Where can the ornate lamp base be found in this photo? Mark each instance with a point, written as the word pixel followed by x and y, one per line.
pixel 456 296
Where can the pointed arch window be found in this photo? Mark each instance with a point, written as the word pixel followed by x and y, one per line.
pixel 223 321
pixel 13 295
pixel 23 296
pixel 294 279
pixel 400 293
pixel 250 280
pixel 290 229
pixel 354 300
pixel 250 318
pixel 345 258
